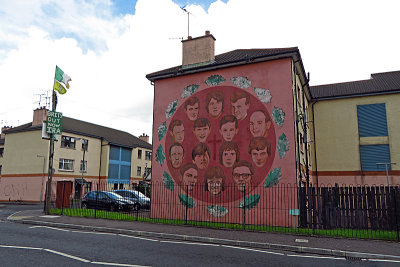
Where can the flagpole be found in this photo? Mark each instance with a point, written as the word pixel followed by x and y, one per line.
pixel 51 155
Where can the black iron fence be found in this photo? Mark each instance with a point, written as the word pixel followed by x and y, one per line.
pixel 344 211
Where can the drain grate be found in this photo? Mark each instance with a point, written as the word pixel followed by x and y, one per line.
pixel 350 258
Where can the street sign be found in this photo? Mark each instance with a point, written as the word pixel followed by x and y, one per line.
pixel 54 122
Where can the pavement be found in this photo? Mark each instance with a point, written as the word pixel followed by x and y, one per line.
pixel 354 249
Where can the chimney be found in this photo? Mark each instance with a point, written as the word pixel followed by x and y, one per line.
pixel 198 51
pixel 3 129
pixel 144 137
pixel 39 115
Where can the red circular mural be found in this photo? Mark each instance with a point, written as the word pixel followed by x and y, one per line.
pixel 220 137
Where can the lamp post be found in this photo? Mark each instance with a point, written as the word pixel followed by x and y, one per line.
pixel 387 171
pixel 41 189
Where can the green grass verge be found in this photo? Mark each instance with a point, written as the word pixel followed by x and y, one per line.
pixel 339 232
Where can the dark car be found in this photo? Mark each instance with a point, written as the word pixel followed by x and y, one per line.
pixel 140 200
pixel 106 201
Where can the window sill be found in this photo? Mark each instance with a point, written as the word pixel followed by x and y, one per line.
pixel 61 170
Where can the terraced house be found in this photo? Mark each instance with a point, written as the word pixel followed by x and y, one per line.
pixel 84 154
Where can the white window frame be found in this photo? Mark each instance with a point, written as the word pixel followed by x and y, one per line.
pixel 62 163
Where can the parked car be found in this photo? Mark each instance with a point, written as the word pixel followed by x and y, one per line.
pixel 106 201
pixel 140 200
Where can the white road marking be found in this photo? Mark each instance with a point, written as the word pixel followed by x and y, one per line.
pixel 136 237
pixel 116 264
pixel 52 228
pixel 66 255
pixel 383 260
pixel 301 240
pixel 71 256
pixel 9 217
pixel 315 257
pixel 255 250
pixel 19 247
pixel 95 233
pixel 49 216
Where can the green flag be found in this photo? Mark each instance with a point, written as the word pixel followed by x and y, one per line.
pixel 59 87
pixel 62 77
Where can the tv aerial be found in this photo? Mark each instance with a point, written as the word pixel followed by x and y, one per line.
pixel 188 13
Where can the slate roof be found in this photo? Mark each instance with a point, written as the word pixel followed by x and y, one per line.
pixel 380 83
pixel 232 58
pixel 114 137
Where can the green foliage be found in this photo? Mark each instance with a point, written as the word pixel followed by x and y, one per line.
pixel 162 130
pixel 241 82
pixel 278 116
pixel 171 109
pixel 283 145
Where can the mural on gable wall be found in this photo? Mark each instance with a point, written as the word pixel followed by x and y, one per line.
pixel 218 145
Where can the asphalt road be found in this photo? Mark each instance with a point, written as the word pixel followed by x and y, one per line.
pixel 26 245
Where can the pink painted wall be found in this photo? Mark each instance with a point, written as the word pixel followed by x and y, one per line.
pixel 269 199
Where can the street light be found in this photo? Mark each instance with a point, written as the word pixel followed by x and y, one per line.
pixel 44 164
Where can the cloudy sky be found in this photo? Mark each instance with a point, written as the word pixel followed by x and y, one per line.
pixel 108 46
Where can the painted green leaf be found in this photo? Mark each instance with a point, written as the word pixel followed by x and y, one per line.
pixel 187 201
pixel 160 155
pixel 250 202
pixel 171 109
pixel 167 181
pixel 217 211
pixel 283 145
pixel 273 177
pixel 278 116
pixel 214 80
pixel 162 130
pixel 241 82
pixel 263 94
pixel 189 90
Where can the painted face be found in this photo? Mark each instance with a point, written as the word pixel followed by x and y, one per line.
pixel 190 178
pixel 242 178
pixel 228 158
pixel 214 185
pixel 176 156
pixel 228 131
pixel 259 157
pixel 192 112
pixel 202 133
pixel 258 126
pixel 239 108
pixel 179 133
pixel 214 108
pixel 202 161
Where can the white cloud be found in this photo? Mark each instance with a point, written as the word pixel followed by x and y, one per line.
pixel 108 57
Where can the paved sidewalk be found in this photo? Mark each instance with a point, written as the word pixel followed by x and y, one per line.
pixel 341 247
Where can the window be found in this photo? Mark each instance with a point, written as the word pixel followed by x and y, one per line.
pixel 83 167
pixel 1 152
pixel 139 171
pixel 147 171
pixel 139 154
pixel 85 144
pixel 0 169
pixel 66 164
pixel 372 122
pixel 148 155
pixel 68 142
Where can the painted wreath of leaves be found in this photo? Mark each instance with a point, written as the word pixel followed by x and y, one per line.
pixel 273 177
pixel 171 109
pixel 162 130
pixel 214 80
pixel 160 155
pixel 283 145
pixel 250 202
pixel 187 201
pixel 278 116
pixel 217 211
pixel 241 82
pixel 189 90
pixel 168 181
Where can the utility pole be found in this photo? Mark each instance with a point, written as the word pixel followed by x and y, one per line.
pixel 51 157
pixel 387 169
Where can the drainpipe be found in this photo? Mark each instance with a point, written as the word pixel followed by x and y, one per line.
pixel 298 169
pixel 305 131
pixel 315 142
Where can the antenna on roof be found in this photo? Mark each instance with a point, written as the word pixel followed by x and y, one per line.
pixel 43 97
pixel 188 13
